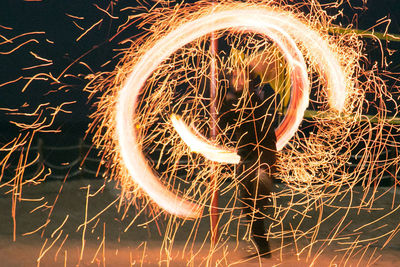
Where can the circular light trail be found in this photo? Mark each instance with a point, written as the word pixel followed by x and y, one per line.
pixel 280 27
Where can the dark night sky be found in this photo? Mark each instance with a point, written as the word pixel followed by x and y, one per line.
pixel 50 17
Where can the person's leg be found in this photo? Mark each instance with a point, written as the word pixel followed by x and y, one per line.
pixel 255 189
pixel 262 187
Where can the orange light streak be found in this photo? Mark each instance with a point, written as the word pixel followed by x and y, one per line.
pixel 283 29
pixel 299 52
pixel 199 144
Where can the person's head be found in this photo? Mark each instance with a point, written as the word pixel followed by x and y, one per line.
pixel 249 71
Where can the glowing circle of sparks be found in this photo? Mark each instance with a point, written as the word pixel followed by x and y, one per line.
pixel 282 28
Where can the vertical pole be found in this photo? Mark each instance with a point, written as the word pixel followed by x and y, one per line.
pixel 214 216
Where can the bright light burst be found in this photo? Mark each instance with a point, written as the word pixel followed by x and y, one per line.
pixel 168 74
pixel 281 27
pixel 167 71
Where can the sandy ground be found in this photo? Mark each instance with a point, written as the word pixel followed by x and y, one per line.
pixel 108 239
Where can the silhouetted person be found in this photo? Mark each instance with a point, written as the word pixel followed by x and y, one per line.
pixel 248 109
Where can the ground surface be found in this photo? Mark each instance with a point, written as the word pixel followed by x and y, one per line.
pixel 109 240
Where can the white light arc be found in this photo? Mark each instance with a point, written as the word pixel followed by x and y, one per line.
pixel 283 29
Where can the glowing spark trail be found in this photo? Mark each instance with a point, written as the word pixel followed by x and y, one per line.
pixel 172 116
pixel 198 144
pixel 279 26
